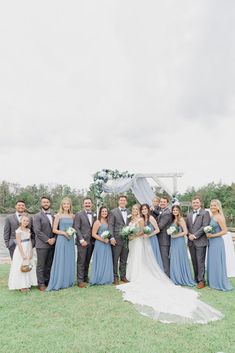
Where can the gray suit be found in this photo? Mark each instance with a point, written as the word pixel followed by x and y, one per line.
pixel 164 221
pixel 198 246
pixel 84 229
pixel 116 223
pixel 45 252
pixel 9 234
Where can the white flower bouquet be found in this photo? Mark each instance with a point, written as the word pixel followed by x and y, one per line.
pixel 209 229
pixel 173 230
pixel 105 234
pixel 70 232
pixel 128 231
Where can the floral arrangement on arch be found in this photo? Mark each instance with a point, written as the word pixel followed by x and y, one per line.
pixel 102 177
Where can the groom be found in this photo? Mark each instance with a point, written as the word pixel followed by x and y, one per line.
pixel 197 240
pixel 164 221
pixel 118 219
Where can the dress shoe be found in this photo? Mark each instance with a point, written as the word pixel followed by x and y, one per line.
pixel 125 280
pixel 82 285
pixel 201 285
pixel 116 282
pixel 42 287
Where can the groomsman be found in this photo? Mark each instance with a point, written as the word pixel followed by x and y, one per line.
pixel 164 221
pixel 45 242
pixel 155 208
pixel 83 223
pixel 11 224
pixel 197 240
pixel 118 219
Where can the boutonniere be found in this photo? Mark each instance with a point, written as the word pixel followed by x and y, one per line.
pixel 129 216
pixel 94 214
pixel 160 212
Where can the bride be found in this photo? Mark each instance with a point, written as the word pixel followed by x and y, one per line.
pixel 152 292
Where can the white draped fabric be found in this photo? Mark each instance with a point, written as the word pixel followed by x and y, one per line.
pixel 138 185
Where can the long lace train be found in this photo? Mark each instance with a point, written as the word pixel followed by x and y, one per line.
pixel 156 296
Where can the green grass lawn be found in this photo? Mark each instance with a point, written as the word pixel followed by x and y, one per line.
pixel 97 320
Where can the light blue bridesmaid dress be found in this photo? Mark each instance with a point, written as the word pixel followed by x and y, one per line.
pixel 216 262
pixel 155 247
pixel 102 261
pixel 180 272
pixel 63 266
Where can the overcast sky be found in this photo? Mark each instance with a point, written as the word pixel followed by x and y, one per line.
pixel 143 86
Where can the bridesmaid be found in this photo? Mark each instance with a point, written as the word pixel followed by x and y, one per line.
pixel 150 221
pixel 102 262
pixel 63 266
pixel 216 261
pixel 180 272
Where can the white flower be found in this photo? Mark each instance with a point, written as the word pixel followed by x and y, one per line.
pixel 207 229
pixel 99 181
pixel 129 216
pixel 70 231
pixel 102 174
pixel 105 234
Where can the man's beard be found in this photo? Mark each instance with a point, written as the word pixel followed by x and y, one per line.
pixel 45 208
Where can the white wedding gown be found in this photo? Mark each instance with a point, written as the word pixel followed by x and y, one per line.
pixel 155 295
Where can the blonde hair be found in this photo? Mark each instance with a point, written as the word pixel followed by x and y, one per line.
pixel 24 215
pixel 66 199
pixel 136 205
pixel 219 205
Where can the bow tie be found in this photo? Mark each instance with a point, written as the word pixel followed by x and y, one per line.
pixel 88 212
pixel 123 209
pixel 48 213
pixel 195 211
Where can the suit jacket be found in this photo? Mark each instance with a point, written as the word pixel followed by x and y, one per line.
pixel 164 221
pixel 197 228
pixel 9 234
pixel 83 227
pixel 116 223
pixel 43 230
pixel 155 212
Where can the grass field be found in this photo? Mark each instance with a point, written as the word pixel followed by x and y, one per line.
pixel 97 320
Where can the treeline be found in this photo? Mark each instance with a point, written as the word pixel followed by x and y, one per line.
pixel 31 194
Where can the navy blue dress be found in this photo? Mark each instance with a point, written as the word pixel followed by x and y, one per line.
pixel 216 262
pixel 180 272
pixel 102 261
pixel 155 247
pixel 63 266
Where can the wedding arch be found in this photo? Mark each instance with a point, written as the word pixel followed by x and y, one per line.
pixel 113 181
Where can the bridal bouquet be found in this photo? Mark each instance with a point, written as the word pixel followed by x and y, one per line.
pixel 70 232
pixel 209 229
pixel 105 234
pixel 127 232
pixel 173 230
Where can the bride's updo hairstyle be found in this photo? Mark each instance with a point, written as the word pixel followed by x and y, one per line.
pixel 137 207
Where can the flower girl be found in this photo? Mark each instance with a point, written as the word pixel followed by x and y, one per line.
pixel 23 272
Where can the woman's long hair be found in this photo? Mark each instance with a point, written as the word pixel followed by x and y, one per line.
pixel 147 206
pixel 180 215
pixel 66 199
pixel 100 210
pixel 219 205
